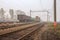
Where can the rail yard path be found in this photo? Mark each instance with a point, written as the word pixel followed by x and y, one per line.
pixel 42 30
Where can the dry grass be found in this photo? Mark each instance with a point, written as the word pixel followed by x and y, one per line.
pixel 51 27
pixel 51 34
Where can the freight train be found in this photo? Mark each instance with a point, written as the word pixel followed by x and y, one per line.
pixel 21 18
pixel 25 18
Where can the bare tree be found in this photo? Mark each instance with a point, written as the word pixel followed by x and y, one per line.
pixel 2 13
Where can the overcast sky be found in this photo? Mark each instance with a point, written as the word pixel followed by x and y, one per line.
pixel 35 5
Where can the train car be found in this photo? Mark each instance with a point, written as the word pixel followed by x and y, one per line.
pixel 24 18
pixel 37 19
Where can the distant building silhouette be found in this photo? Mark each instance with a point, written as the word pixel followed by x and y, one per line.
pixel 2 13
pixel 11 11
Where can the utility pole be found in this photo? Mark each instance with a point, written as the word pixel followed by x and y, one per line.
pixel 55 23
pixel 54 10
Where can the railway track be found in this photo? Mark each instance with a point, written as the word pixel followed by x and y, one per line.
pixel 18 35
pixel 12 29
pixel 10 25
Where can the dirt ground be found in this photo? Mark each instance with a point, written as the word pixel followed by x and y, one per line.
pixel 42 30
